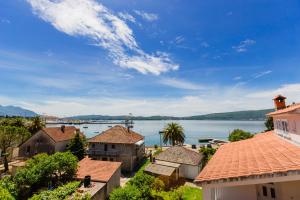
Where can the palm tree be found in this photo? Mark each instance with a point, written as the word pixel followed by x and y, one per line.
pixel 173 134
pixel 36 125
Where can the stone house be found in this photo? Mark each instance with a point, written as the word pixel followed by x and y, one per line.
pixel 48 140
pixel 265 167
pixel 104 177
pixel 118 144
pixel 175 164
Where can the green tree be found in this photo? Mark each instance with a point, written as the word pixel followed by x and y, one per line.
pixel 14 121
pixel 269 124
pixel 77 146
pixel 143 183
pixel 43 169
pixel 173 134
pixel 5 195
pixel 129 192
pixel 238 134
pixel 8 184
pixel 10 137
pixel 36 124
pixel 207 152
pixel 61 192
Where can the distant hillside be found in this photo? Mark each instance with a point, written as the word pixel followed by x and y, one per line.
pixel 16 111
pixel 239 115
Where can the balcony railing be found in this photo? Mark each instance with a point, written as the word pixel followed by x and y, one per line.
pixel 103 153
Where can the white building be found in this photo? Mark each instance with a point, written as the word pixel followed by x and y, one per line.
pixel 265 167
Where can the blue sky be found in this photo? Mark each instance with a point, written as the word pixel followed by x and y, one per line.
pixel 69 57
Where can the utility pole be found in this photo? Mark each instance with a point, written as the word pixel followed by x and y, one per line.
pixel 160 133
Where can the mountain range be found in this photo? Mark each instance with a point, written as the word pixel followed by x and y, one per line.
pixel 12 111
pixel 238 115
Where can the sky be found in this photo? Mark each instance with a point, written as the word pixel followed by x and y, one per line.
pixel 113 57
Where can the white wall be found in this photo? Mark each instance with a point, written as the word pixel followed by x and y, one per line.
pixel 247 192
pixel 189 171
pixel 290 190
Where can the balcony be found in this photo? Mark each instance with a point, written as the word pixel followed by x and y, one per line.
pixel 94 152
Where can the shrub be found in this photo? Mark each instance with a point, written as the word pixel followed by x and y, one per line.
pixel 158 185
pixel 143 183
pixel 9 185
pixel 238 134
pixel 5 195
pixel 129 192
pixel 59 193
pixel 207 152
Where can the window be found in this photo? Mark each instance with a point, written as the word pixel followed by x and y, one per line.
pixel 113 146
pixel 273 195
pixel 111 159
pixel 104 159
pixel 28 149
pixel 105 147
pixel 93 145
pixel 265 192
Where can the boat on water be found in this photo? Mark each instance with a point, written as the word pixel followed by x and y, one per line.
pixel 85 127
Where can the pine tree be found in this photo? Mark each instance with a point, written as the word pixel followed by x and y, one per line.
pixel 77 146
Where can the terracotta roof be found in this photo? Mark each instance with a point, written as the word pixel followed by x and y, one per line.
pixel 117 134
pixel 279 97
pixel 58 135
pixel 264 154
pixel 178 154
pixel 290 108
pixel 98 170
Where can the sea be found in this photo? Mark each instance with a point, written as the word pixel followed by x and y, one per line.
pixel 193 129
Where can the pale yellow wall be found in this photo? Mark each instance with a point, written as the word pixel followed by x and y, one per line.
pixel 289 190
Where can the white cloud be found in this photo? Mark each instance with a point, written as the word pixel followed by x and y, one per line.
pixel 243 46
pixel 204 44
pixel 222 99
pixel 5 21
pixel 181 84
pixel 91 19
pixel 127 17
pixel 147 16
pixel 237 78
pixel 260 74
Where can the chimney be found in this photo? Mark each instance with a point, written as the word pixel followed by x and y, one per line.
pixel 62 128
pixel 279 102
pixel 87 181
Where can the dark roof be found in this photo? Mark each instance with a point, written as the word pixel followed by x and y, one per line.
pixel 98 170
pixel 58 135
pixel 159 169
pixel 118 135
pixel 178 154
pixel 264 154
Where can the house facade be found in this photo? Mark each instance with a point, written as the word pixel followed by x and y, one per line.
pixel 265 167
pixel 118 144
pixel 104 177
pixel 174 164
pixel 48 140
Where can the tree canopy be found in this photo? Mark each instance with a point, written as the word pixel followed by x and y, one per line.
pixel 43 169
pixel 11 136
pixel 35 125
pixel 269 124
pixel 173 134
pixel 77 146
pixel 238 134
pixel 207 152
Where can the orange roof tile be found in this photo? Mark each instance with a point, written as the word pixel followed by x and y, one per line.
pixel 266 153
pixel 290 108
pixel 58 135
pixel 98 170
pixel 117 134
